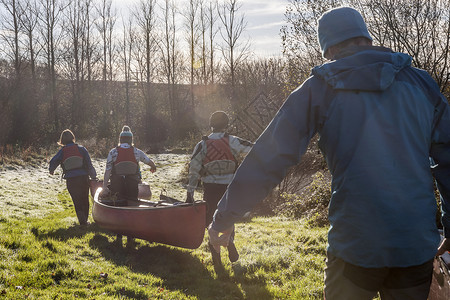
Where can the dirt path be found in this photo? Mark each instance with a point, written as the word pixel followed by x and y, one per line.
pixel 32 191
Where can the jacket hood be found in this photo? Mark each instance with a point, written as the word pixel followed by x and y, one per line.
pixel 364 68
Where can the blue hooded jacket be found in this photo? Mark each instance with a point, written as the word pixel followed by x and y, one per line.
pixel 379 120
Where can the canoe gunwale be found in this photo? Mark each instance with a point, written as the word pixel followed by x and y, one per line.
pixel 152 204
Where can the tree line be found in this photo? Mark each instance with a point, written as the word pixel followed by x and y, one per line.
pixel 162 68
pixel 85 65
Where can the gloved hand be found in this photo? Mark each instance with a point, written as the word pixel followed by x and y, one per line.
pixel 190 197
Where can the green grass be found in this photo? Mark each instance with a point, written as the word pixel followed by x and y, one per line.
pixel 53 258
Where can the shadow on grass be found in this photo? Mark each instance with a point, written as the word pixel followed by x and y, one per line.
pixel 64 234
pixel 178 268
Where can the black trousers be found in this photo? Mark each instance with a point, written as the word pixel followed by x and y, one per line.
pixel 349 282
pixel 212 194
pixel 127 186
pixel 78 188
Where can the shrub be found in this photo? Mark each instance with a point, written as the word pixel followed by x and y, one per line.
pixel 311 203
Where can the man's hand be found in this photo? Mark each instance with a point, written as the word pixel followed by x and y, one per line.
pixel 190 197
pixel 444 246
pixel 217 240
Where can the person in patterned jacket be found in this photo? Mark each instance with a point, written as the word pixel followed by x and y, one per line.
pixel 214 162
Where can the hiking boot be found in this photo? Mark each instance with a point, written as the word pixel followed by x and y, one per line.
pixel 118 241
pixel 214 255
pixel 233 255
pixel 131 243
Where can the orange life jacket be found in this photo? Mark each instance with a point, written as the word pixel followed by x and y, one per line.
pixel 72 158
pixel 125 163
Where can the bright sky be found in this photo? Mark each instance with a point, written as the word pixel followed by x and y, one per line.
pixel 264 21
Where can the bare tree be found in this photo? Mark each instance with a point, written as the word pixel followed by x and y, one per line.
pixel 52 34
pixel 107 16
pixel 105 25
pixel 212 17
pixel 126 50
pixel 299 38
pixel 29 19
pixel 78 68
pixel 170 56
pixel 192 26
pixel 11 32
pixel 234 52
pixel 146 48
pixel 146 21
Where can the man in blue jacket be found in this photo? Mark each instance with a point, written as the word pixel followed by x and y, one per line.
pixel 380 121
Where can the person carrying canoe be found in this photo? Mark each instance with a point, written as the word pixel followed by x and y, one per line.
pixel 123 174
pixel 77 167
pixel 122 168
pixel 380 120
pixel 214 162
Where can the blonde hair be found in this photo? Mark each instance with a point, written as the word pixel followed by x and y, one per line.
pixel 66 137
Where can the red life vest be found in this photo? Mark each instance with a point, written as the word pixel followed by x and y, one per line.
pixel 218 150
pixel 219 160
pixel 72 158
pixel 125 163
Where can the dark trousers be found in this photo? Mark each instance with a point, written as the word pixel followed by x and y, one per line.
pixel 349 282
pixel 212 194
pixel 78 188
pixel 126 186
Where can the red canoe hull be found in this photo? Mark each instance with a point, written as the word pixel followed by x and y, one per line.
pixel 181 225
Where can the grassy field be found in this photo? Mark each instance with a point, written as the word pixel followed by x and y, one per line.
pixel 46 255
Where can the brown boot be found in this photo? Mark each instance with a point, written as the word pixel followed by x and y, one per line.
pixel 214 255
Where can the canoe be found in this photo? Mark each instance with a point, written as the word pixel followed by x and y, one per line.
pixel 167 221
pixel 144 189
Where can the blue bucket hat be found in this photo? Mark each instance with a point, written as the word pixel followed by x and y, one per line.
pixel 340 24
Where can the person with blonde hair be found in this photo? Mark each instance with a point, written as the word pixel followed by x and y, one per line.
pixel 77 167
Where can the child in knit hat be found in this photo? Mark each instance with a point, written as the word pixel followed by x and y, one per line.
pixel 122 167
pixel 123 172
